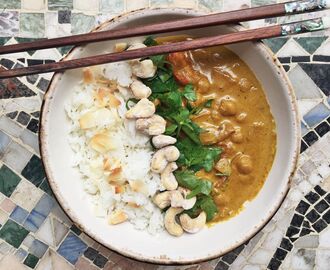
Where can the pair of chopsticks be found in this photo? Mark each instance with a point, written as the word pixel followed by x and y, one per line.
pixel 248 14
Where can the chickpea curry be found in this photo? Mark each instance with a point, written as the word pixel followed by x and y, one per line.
pixel 216 108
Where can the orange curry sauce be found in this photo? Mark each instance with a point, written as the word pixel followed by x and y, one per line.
pixel 239 121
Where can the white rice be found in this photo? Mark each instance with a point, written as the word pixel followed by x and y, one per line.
pixel 132 149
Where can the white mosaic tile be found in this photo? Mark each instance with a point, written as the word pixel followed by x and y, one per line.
pixel 303 259
pixel 51 259
pixel 45 232
pixel 261 256
pixel 291 48
pixel 273 239
pixel 134 5
pixel 10 262
pixel 16 156
pixel 10 127
pixel 304 86
pixel 3 217
pixel 33 4
pixel 307 241
pixel 30 139
pixel 89 6
pixel 26 195
pixel 324 238
pixel 322 259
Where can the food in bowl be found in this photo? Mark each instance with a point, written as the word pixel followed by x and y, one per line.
pixel 173 141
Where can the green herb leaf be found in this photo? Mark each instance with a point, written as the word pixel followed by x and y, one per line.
pixel 209 207
pixel 208 103
pixel 171 100
pixel 150 41
pixel 198 109
pixel 196 185
pixel 189 92
pixel 158 60
pixel 204 203
pixel 170 130
pixel 197 157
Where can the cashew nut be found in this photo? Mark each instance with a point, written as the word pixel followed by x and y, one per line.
pixel 136 46
pixel 144 69
pixel 161 141
pixel 170 223
pixel 193 225
pixel 167 177
pixel 161 158
pixel 120 47
pixel 155 125
pixel 178 199
pixel 140 90
pixel 163 199
pixel 144 108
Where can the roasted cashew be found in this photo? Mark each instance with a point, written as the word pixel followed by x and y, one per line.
pixel 167 177
pixel 143 109
pixel 163 199
pixel 193 225
pixel 140 90
pixel 144 69
pixel 136 46
pixel 154 125
pixel 178 199
pixel 162 157
pixel 161 141
pixel 170 223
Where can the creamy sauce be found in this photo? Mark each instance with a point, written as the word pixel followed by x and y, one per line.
pixel 239 120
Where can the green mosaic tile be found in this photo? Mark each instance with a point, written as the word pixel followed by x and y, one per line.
pixel 11 4
pixel 310 44
pixel 256 3
pixel 64 50
pixel 60 4
pixel 214 5
pixel 275 44
pixel 8 181
pixel 46 187
pixel 3 40
pixel 13 233
pixel 82 23
pixel 34 171
pixel 31 260
pixel 113 6
pixel 32 25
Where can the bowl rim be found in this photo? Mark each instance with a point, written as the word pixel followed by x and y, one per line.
pixel 158 260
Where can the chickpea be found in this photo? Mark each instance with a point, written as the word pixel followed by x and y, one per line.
pixel 245 85
pixel 203 85
pixel 228 107
pixel 241 117
pixel 226 129
pixel 215 115
pixel 244 164
pixel 237 136
pixel 223 166
pixel 209 137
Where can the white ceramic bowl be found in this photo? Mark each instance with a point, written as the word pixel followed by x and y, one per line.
pixel 210 242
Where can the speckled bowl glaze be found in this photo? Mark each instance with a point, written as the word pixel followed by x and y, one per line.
pixel 190 248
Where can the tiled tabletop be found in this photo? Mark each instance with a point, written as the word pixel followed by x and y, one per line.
pixel 35 233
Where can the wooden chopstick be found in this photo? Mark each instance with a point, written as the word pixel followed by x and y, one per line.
pixel 247 35
pixel 196 22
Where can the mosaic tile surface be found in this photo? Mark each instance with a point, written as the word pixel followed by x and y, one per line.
pixel 35 233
